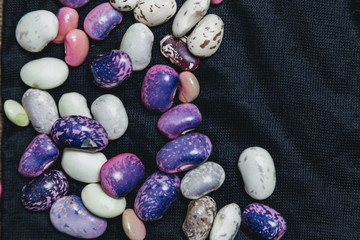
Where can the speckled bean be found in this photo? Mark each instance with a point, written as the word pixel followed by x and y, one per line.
pixel 202 180
pixel 41 109
pixel 69 215
pixel 76 47
pixel 264 221
pixel 74 3
pixel 199 218
pixel 40 193
pixel 36 29
pixel 124 5
pixel 176 50
pixel 258 172
pixel 227 223
pixel 184 153
pixel 79 132
pixel 110 70
pixel 189 88
pixel 40 154
pixel 121 174
pixel 156 195
pixel 101 20
pixel 159 87
pixel 179 120
pixel 188 15
pixel 207 36
pixel 154 12
pixel 68 20
pixel 15 112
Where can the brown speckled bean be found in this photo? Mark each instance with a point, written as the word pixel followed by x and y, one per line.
pixel 199 218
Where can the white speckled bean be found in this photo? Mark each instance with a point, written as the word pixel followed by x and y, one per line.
pixel 137 42
pixel 82 166
pixel 189 15
pixel 73 103
pixel 227 223
pixel 15 112
pixel 206 38
pixel 124 5
pixel 110 112
pixel 202 180
pixel 41 109
pixel 36 29
pixel 258 172
pixel 100 203
pixel 154 12
pixel 44 73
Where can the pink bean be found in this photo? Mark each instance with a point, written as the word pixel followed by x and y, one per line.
pixel 68 20
pixel 189 87
pixel 76 47
pixel 216 2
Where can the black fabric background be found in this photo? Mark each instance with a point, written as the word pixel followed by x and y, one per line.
pixel 286 78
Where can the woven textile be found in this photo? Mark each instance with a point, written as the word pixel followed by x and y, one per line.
pixel 286 78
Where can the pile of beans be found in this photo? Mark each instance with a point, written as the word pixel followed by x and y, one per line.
pixel 82 132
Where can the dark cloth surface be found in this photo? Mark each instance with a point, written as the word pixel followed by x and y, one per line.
pixel 286 78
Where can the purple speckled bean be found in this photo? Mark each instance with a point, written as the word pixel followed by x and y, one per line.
pixel 179 120
pixel 159 87
pixel 69 215
pixel 38 156
pixel 101 20
pixel 79 132
pixel 74 3
pixel 110 70
pixel 156 195
pixel 43 191
pixel 176 50
pixel 121 174
pixel 184 153
pixel 264 221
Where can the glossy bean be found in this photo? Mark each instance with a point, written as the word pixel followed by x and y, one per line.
pixel 15 112
pixel 74 3
pixel 41 109
pixel 264 221
pixel 184 153
pixel 176 50
pixel 199 218
pixel 36 29
pixel 156 195
pixel 68 20
pixel 76 47
pixel 79 132
pixel 69 215
pixel 227 223
pixel 101 20
pixel 179 120
pixel 158 88
pixel 39 155
pixel 133 227
pixel 216 2
pixel 189 88
pixel 121 174
pixel 40 193
pixel 110 70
